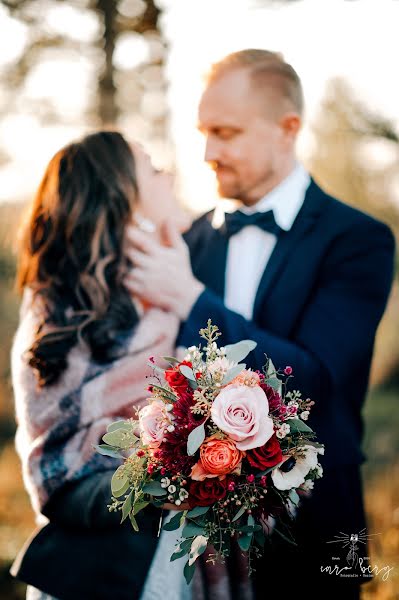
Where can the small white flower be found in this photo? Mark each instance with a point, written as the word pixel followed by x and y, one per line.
pixel 304 415
pixel 178 502
pixel 308 485
pixel 183 494
pixel 283 430
pixel 170 498
pixel 172 489
pixel 319 470
pixel 165 481
pixel 169 407
pixel 171 428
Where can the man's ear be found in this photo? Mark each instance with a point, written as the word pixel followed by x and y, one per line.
pixel 291 123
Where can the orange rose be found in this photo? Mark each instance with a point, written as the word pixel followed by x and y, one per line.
pixel 217 459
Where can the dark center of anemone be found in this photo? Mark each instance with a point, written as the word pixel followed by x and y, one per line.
pixel 288 465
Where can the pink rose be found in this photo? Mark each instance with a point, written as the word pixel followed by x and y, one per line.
pixel 242 412
pixel 153 419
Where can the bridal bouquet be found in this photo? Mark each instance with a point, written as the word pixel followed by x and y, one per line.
pixel 227 446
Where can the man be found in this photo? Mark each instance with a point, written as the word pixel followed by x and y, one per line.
pixel 304 275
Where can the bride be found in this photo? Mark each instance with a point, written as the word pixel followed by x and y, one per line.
pixel 79 361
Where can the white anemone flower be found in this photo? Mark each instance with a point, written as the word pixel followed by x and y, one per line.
pixel 298 467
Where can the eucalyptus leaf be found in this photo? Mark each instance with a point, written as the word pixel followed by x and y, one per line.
pixel 154 489
pixel 188 572
pixel 121 438
pixel 197 511
pixel 233 372
pixel 271 369
pixel 187 372
pixel 260 538
pixel 126 506
pixel 133 522
pixel 238 514
pixel 250 528
pixel 192 529
pixel 175 522
pixel 298 426
pixel 126 425
pixel 171 359
pixel 138 506
pixel 293 496
pixel 198 547
pixel 244 541
pixel 251 521
pixel 107 450
pixel 182 549
pixel 119 483
pixel 238 351
pixel 195 439
pixel 276 384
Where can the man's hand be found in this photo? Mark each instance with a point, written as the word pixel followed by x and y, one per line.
pixel 162 275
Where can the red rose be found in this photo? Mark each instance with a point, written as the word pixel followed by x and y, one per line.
pixel 176 380
pixel 266 456
pixel 205 493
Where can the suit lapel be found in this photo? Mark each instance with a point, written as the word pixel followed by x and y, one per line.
pixel 287 243
pixel 210 264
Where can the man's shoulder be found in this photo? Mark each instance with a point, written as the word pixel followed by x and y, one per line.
pixel 345 218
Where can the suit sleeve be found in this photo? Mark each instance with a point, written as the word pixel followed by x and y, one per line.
pixel 338 325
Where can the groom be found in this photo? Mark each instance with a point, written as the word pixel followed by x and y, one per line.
pixel 304 275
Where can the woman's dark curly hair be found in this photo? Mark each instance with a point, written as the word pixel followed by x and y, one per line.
pixel 71 252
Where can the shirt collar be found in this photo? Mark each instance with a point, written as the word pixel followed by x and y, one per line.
pixel 285 200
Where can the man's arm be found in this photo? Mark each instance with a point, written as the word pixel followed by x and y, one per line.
pixel 337 327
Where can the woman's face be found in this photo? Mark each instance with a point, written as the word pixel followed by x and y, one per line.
pixel 156 199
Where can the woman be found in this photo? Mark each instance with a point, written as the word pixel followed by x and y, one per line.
pixel 79 361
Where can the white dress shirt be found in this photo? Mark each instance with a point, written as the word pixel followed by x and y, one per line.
pixel 250 249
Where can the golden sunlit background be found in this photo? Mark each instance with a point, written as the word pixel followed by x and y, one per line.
pixel 70 67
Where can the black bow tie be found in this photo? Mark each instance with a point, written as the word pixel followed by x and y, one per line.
pixel 235 221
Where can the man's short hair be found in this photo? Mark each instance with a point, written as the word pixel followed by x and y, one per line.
pixel 268 70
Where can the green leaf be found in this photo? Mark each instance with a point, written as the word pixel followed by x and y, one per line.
pixel 276 384
pixel 250 528
pixel 188 571
pixel 244 541
pixel 239 513
pixel 121 438
pixel 119 483
pixel 175 522
pixel 192 529
pixel 187 372
pixel 182 549
pixel 197 511
pixel 297 425
pixel 195 439
pixel 198 547
pixel 126 506
pixel 260 538
pixel 154 489
pixel 271 369
pixel 138 506
pixel 107 450
pixel 251 521
pixel 238 351
pixel 233 372
pixel 293 496
pixel 134 522
pixel 119 425
pixel 171 359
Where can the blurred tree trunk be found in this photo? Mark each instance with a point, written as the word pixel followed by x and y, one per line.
pixel 107 107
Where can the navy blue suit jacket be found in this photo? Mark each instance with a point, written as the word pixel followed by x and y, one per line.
pixel 317 309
